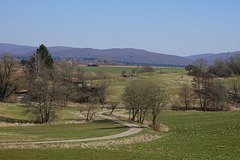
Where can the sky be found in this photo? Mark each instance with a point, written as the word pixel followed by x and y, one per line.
pixel 176 27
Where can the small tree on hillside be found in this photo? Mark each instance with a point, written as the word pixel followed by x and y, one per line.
pixel 92 104
pixel 189 68
pixel 113 104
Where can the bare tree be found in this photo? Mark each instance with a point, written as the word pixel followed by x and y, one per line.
pixel 103 90
pixel 132 97
pixel 81 75
pixel 203 87
pixel 185 94
pixel 92 103
pixel 114 104
pixel 67 89
pixel 200 63
pixel 8 82
pixel 158 99
pixel 219 96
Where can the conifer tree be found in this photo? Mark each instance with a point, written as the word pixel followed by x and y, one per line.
pixel 45 55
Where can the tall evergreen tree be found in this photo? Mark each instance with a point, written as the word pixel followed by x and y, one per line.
pixel 45 55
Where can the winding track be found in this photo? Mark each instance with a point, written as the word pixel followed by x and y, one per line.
pixel 133 130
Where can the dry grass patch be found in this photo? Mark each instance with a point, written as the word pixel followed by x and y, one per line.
pixel 158 127
pixel 105 144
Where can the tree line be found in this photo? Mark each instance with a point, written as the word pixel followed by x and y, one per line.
pixel 213 93
pixel 229 67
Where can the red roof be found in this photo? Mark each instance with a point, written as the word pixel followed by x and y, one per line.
pixel 73 79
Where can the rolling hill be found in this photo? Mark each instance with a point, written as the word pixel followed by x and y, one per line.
pixel 124 55
pixel 211 57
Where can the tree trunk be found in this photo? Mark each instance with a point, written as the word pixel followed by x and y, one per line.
pixel 41 113
pixel 154 120
pixel 111 112
pixel 129 113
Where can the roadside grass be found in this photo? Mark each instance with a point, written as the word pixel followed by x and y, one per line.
pixel 49 132
pixel 192 135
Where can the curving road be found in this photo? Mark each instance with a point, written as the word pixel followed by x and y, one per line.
pixel 133 130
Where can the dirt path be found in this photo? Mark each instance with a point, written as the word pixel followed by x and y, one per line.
pixel 133 130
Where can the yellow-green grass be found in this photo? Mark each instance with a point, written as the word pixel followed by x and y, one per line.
pixel 192 135
pixel 117 70
pixel 14 113
pixel 173 82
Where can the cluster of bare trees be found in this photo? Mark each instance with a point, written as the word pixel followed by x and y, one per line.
pixel 143 97
pixel 229 67
pixel 211 92
pixel 50 84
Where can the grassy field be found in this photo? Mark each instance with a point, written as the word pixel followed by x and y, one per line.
pixel 18 126
pixel 117 70
pixel 173 82
pixel 192 135
pixel 13 113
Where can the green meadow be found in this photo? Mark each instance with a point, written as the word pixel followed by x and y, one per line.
pixel 191 135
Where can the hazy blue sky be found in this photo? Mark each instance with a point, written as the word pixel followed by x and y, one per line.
pixel 179 27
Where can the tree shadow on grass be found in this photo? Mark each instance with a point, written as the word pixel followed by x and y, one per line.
pixel 103 121
pixel 109 121
pixel 14 120
pixel 115 127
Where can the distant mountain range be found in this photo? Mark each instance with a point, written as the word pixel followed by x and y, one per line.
pixel 123 55
pixel 211 57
